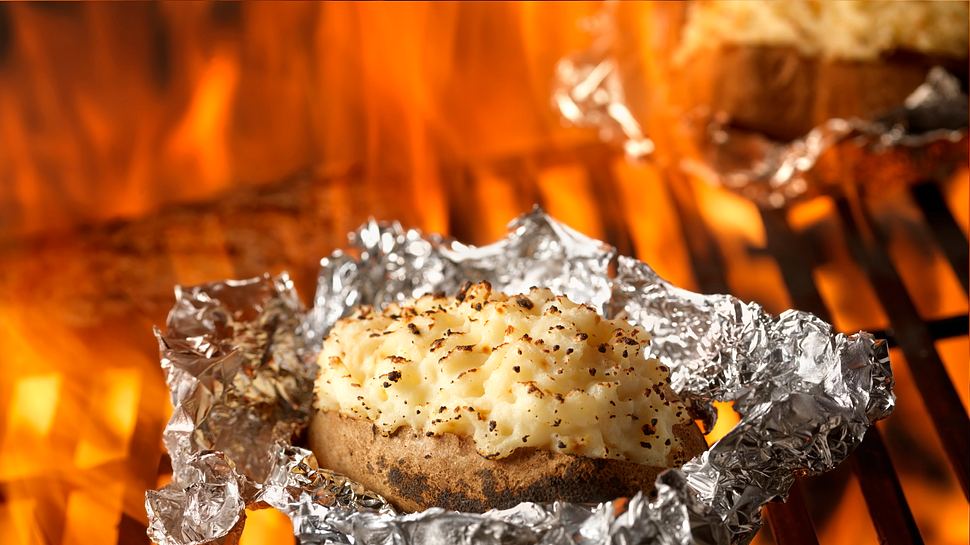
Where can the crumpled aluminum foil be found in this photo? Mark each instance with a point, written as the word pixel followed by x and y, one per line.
pixel 924 138
pixel 806 396
pixel 590 93
pixel 235 361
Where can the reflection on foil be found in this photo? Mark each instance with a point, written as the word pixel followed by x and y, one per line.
pixel 588 92
pixel 806 396
pixel 206 506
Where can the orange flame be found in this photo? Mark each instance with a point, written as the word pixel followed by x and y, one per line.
pixel 433 113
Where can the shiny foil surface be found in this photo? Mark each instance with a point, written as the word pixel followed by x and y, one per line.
pixel 238 356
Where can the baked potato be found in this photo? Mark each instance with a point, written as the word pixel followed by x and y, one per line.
pixel 783 68
pixel 485 400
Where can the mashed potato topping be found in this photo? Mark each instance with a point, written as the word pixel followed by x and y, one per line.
pixel 533 370
pixel 851 29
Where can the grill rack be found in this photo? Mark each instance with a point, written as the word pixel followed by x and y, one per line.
pixel 790 522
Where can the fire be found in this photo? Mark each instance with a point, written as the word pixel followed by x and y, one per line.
pixel 736 223
pixel 727 418
pixel 851 300
pixel 490 187
pixel 568 192
pixel 957 195
pixel 33 405
pixel 437 114
pixel 199 140
pixel 653 222
pixel 107 436
pixel 267 526
pixel 935 497
pixel 849 525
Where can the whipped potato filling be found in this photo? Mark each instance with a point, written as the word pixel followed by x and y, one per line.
pixel 847 29
pixel 532 370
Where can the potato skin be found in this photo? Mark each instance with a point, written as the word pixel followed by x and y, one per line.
pixel 783 94
pixel 415 472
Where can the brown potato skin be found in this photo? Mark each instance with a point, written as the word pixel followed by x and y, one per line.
pixel 415 472
pixel 783 94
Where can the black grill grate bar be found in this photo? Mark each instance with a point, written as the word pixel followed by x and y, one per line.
pixel 790 522
pixel 609 203
pixel 940 329
pixel 878 480
pixel 930 376
pixel 891 515
pixel 948 234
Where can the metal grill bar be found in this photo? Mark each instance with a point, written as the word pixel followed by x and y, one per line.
pixel 877 477
pixel 790 521
pixel 891 515
pixel 942 328
pixel 617 231
pixel 462 219
pixel 944 227
pixel 930 376
pixel 132 531
pixel 706 260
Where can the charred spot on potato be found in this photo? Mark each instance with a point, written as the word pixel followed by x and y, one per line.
pixel 408 483
pixel 463 290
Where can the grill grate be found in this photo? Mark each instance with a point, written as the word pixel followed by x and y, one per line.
pixel 891 515
pixel 939 393
pixel 291 224
pixel 892 518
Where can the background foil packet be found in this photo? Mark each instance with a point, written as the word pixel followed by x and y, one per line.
pixel 238 357
pixel 923 138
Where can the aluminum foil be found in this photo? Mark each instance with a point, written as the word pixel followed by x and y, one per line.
pixel 806 395
pixel 924 138
pixel 589 92
pixel 241 381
